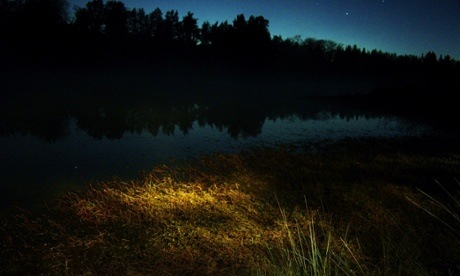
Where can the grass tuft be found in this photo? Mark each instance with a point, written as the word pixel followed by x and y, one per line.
pixel 311 247
pixel 451 208
pixel 246 213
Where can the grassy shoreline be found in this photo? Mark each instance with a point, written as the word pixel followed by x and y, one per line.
pixel 345 209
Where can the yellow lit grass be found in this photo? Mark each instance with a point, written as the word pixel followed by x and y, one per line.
pixel 172 222
pixel 221 216
pixel 207 229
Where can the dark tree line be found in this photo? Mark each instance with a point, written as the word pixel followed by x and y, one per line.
pixel 113 18
pixel 23 19
pixel 20 19
pixel 112 31
pixel 164 55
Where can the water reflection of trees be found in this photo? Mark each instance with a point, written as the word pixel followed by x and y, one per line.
pixel 240 108
pixel 115 70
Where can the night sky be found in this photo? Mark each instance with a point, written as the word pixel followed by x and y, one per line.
pixel 395 26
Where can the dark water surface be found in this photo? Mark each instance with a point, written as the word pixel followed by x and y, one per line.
pixel 53 141
pixel 33 169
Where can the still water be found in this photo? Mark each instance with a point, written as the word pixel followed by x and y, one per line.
pixel 34 169
pixel 60 130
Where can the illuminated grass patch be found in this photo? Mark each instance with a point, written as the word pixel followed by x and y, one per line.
pixel 268 211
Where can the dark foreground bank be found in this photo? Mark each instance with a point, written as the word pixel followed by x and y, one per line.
pixel 354 207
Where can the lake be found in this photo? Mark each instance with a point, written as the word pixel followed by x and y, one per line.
pixel 35 167
pixel 59 131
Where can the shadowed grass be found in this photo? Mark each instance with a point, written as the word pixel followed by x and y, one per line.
pixel 451 208
pixel 245 213
pixel 445 210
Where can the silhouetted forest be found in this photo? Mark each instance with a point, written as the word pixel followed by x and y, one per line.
pixel 42 45
pixel 110 30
